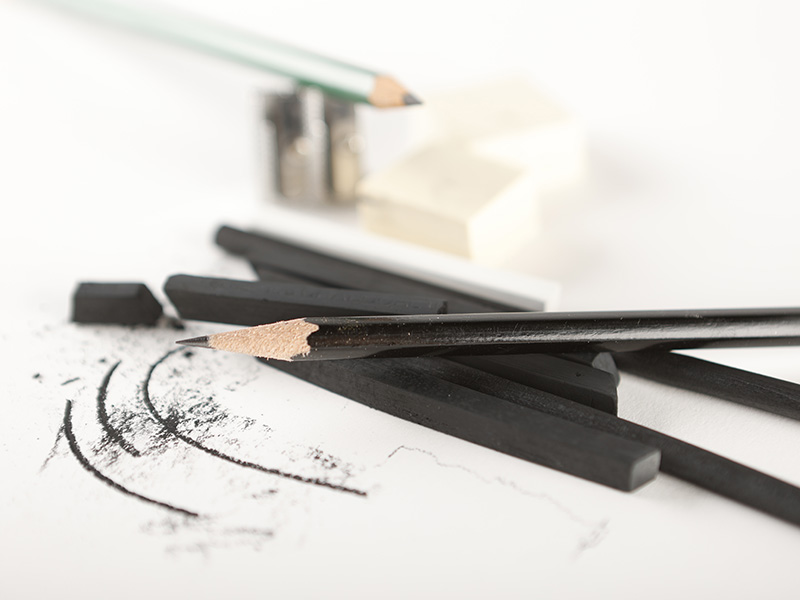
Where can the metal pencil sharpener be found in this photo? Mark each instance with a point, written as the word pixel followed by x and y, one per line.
pixel 314 147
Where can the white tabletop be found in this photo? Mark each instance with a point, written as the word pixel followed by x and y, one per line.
pixel 120 156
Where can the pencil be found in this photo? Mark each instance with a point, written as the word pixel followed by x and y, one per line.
pixel 307 68
pixel 589 377
pixel 330 338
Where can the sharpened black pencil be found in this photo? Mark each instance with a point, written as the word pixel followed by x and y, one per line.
pixel 334 338
pixel 276 259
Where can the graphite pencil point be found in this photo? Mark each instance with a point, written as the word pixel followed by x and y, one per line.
pixel 410 99
pixel 199 342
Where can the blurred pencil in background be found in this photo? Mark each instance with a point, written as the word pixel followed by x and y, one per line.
pixel 333 77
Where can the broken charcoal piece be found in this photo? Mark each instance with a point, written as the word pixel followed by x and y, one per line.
pixel 115 303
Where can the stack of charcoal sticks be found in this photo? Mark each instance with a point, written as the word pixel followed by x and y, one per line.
pixel 555 410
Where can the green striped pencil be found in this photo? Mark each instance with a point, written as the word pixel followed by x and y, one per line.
pixel 307 68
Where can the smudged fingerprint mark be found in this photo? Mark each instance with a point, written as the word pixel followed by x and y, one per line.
pixel 171 428
pixel 102 414
pixel 84 462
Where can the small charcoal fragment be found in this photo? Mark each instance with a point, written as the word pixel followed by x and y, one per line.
pixel 115 303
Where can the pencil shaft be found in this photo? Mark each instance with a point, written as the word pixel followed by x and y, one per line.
pixel 735 385
pixel 334 77
pixel 278 260
pixel 515 333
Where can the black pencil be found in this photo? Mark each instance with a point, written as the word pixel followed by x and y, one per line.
pixel 329 338
pixel 735 385
pixel 245 303
pixel 592 382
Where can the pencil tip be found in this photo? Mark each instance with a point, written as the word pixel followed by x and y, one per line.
pixel 199 342
pixel 410 99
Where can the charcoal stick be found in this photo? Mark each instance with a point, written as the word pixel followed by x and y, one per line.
pixel 735 385
pixel 400 388
pixel 680 459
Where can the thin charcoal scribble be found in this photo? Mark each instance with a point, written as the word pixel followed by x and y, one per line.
pixel 170 426
pixel 102 414
pixel 84 462
pixel 54 449
pixel 68 381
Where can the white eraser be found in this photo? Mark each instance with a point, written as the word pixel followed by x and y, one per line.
pixel 449 198
pixel 511 121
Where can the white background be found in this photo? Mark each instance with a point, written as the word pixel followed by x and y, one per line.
pixel 119 156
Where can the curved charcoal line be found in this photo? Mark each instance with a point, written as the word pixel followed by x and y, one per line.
pixel 216 453
pixel 76 451
pixel 102 414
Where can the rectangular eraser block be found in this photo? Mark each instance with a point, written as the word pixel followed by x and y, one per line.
pixel 115 303
pixel 450 199
pixel 512 122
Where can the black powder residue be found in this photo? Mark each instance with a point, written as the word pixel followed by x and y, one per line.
pixel 111 433
pixel 84 462
pixel 173 419
pixel 136 429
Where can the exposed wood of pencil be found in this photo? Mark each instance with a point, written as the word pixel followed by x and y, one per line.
pixel 389 93
pixel 329 338
pixel 735 385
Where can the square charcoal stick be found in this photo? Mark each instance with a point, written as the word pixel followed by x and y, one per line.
pixel 322 269
pixel 115 303
pixel 687 462
pixel 400 388
pixel 257 302
pixel 720 381
pixel 578 382
pixel 599 360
